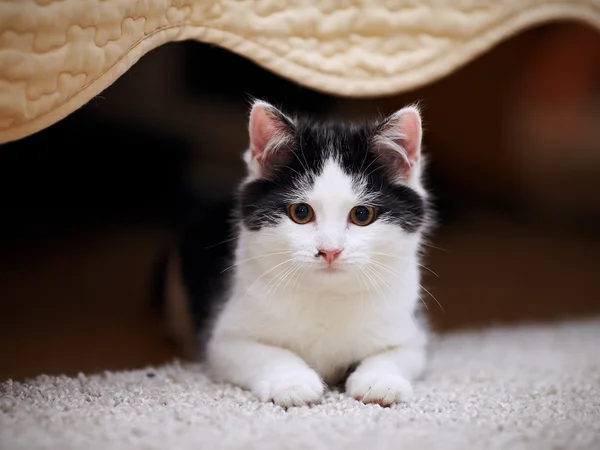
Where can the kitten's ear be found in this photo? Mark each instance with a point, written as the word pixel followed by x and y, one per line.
pixel 397 141
pixel 271 139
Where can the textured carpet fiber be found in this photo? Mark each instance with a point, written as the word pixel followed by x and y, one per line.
pixel 534 387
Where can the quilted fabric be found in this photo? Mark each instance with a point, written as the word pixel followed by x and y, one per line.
pixel 55 55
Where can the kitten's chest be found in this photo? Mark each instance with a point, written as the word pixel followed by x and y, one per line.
pixel 333 335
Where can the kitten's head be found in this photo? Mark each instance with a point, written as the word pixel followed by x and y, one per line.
pixel 332 198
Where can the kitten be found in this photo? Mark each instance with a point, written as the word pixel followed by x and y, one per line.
pixel 326 268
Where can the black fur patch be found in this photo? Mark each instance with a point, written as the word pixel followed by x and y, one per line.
pixel 262 203
pixel 205 249
pixel 401 205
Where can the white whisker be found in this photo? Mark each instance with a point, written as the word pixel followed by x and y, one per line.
pixel 394 272
pixel 220 243
pixel 281 277
pixel 435 247
pixel 375 285
pixel 433 297
pixel 297 267
pixel 401 280
pixel 255 257
pixel 264 273
pixel 297 282
pixel 361 280
pixel 405 259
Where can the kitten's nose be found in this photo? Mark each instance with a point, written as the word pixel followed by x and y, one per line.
pixel 330 255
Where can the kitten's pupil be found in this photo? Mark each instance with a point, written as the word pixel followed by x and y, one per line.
pixel 301 211
pixel 362 214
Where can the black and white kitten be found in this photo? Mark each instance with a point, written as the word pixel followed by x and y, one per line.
pixel 325 276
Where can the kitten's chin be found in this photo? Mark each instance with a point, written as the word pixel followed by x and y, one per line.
pixel 333 275
pixel 336 280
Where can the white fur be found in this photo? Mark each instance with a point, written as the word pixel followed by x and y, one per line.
pixel 290 326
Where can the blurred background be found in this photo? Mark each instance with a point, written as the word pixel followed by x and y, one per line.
pixel 90 204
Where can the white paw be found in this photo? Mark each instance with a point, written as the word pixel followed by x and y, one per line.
pixel 381 388
pixel 297 388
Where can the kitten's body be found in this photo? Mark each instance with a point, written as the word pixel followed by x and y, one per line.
pixel 295 318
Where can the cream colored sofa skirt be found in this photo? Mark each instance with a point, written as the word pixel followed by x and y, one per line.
pixel 55 55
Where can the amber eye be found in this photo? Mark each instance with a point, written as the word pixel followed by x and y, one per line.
pixel 362 215
pixel 301 213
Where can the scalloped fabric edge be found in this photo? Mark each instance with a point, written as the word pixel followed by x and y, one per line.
pixel 374 86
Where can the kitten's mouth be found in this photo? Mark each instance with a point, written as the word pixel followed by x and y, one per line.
pixel 331 269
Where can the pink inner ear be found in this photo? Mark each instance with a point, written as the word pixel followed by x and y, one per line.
pixel 409 125
pixel 398 142
pixel 263 128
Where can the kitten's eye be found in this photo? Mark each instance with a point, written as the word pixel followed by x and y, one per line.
pixel 301 213
pixel 362 215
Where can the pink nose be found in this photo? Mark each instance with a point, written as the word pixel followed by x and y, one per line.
pixel 330 255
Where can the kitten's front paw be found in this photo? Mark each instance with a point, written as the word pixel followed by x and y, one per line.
pixel 296 388
pixel 381 388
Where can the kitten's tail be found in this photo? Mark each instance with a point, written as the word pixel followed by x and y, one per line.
pixel 170 300
pixel 159 280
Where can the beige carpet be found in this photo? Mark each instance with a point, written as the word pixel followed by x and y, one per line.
pixel 529 387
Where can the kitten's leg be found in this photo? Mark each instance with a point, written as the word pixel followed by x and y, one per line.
pixel 271 373
pixel 386 378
